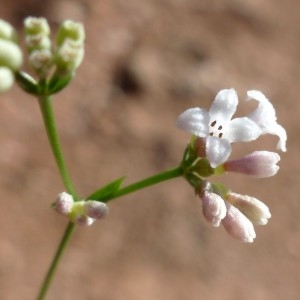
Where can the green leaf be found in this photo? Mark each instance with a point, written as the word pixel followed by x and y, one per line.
pixel 57 83
pixel 27 83
pixel 108 190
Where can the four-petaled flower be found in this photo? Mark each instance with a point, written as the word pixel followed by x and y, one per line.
pixel 219 130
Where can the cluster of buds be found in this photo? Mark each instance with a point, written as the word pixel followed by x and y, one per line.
pixel 84 212
pixel 11 57
pixel 208 154
pixel 54 64
pixel 69 51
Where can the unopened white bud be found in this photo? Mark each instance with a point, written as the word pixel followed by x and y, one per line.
pixel 37 42
pixel 7 32
pixel 35 26
pixel 40 59
pixel 238 225
pixel 257 163
pixel 64 203
pixel 213 206
pixel 70 30
pixel 69 56
pixel 255 210
pixel 10 55
pixel 96 209
pixel 6 79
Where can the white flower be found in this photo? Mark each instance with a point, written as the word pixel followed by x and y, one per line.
pixel 217 127
pixel 265 117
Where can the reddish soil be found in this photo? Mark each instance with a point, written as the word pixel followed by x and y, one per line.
pixel 147 61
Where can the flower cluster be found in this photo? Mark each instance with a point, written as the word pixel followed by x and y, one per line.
pixel 11 57
pixel 208 154
pixel 53 64
pixel 84 212
pixel 69 50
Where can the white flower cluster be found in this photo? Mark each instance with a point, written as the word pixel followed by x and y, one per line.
pixel 214 131
pixel 84 212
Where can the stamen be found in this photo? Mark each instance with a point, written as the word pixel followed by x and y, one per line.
pixel 213 123
pixel 220 135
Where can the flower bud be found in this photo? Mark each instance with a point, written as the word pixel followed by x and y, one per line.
pixel 213 206
pixel 7 32
pixel 237 225
pixel 69 56
pixel 255 210
pixel 96 209
pixel 63 203
pixel 37 32
pixel 70 30
pixel 258 163
pixel 6 79
pixel 40 60
pixel 35 26
pixel 10 55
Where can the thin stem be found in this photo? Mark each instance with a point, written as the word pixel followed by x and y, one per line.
pixel 49 122
pixel 167 175
pixel 58 255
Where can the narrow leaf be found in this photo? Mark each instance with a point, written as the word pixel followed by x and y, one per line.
pixel 107 191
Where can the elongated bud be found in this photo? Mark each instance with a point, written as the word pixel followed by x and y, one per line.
pixel 237 225
pixel 255 210
pixel 64 203
pixel 258 164
pixel 70 47
pixel 96 209
pixel 213 206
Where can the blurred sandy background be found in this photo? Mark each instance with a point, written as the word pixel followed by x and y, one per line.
pixel 147 61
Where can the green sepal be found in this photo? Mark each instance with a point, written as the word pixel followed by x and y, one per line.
pixel 220 189
pixel 57 83
pixel 27 83
pixel 107 191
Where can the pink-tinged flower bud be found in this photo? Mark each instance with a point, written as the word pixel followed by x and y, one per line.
pixel 237 225
pixel 258 163
pixel 83 220
pixel 63 203
pixel 96 209
pixel 213 206
pixel 255 210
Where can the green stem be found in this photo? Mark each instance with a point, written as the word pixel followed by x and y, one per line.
pixel 167 175
pixel 58 255
pixel 49 122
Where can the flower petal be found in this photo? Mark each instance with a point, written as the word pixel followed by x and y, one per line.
pixel 265 117
pixel 217 150
pixel 241 130
pixel 194 120
pixel 224 106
